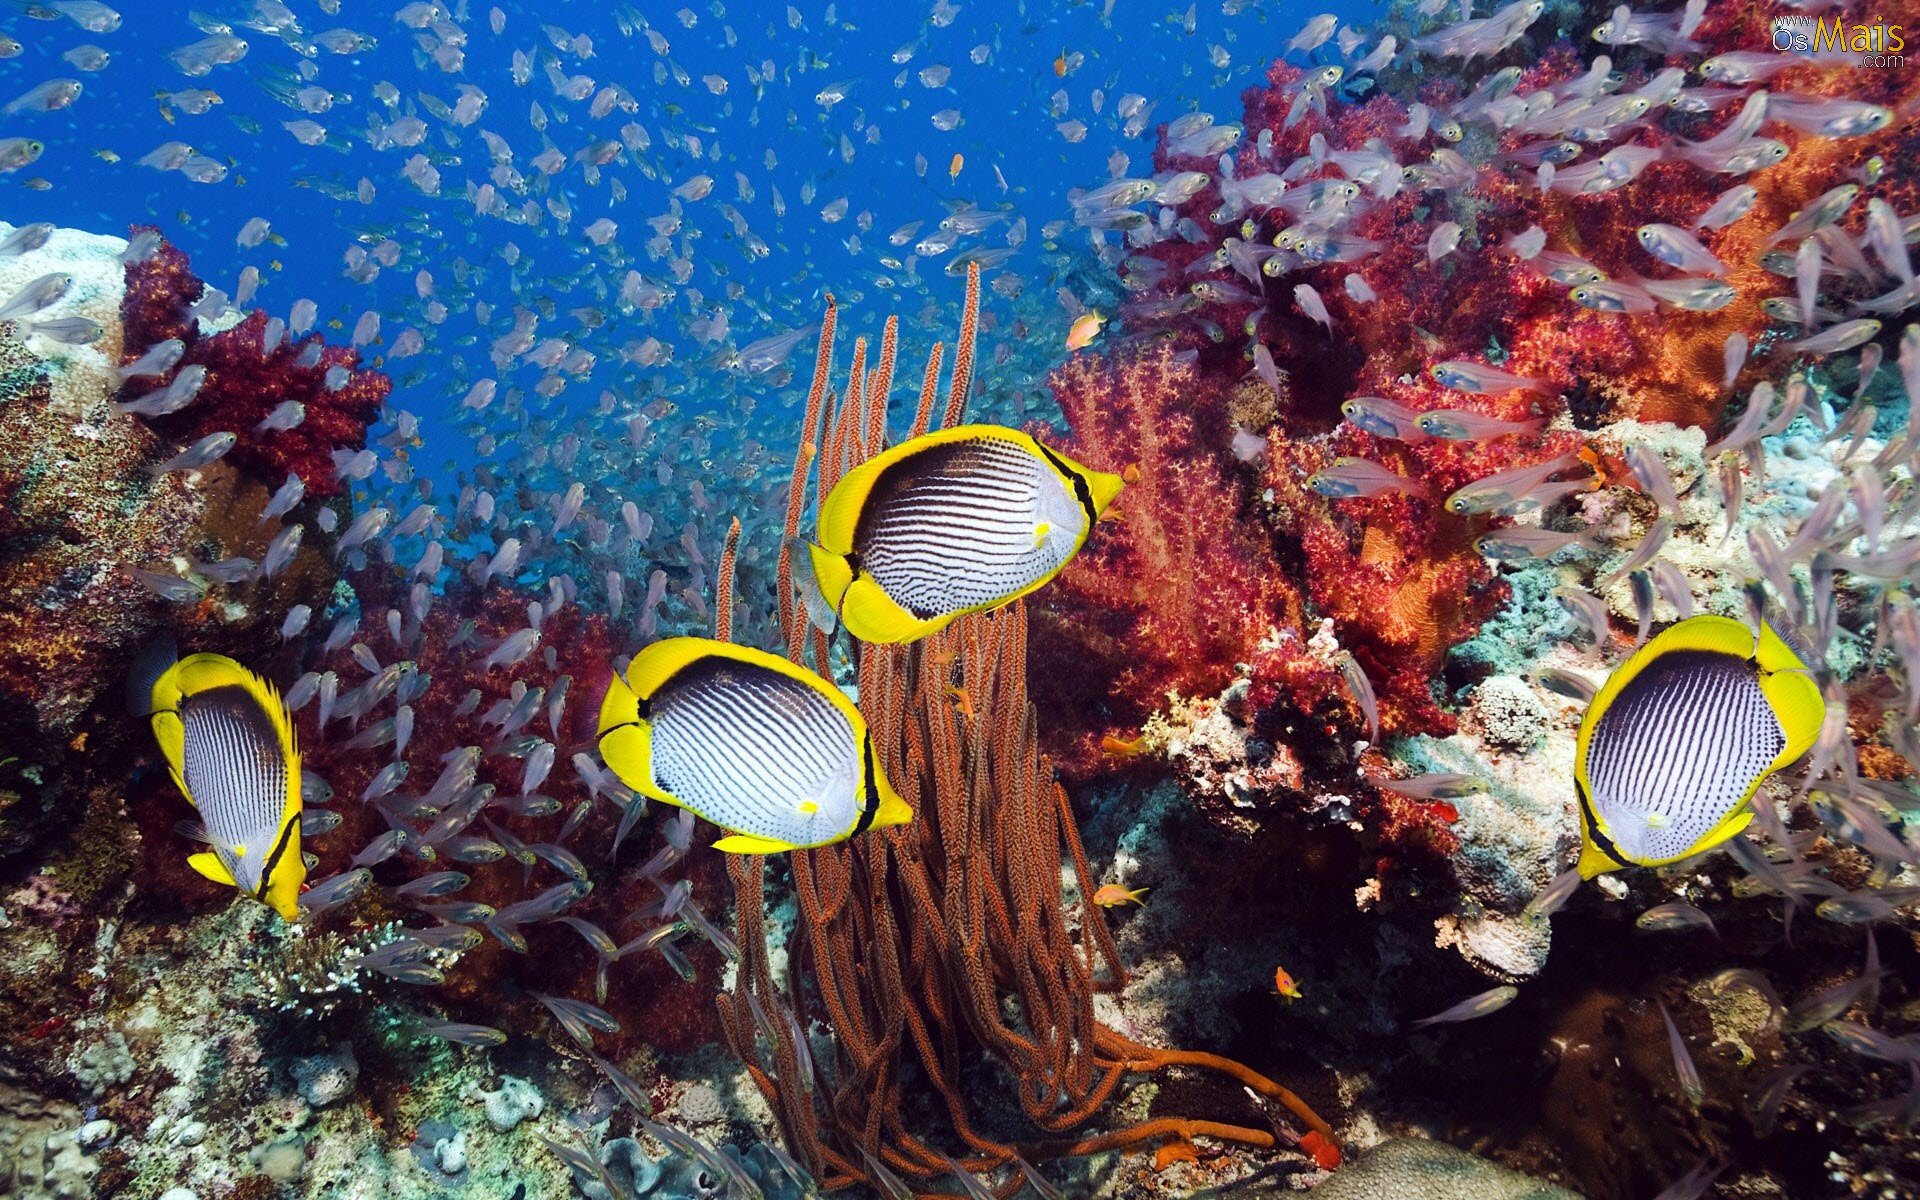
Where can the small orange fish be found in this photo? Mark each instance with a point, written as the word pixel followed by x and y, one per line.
pixel 1119 749
pixel 961 700
pixel 1085 328
pixel 1112 895
pixel 953 168
pixel 1284 984
pixel 1060 65
pixel 1131 473
pixel 1321 1149
pixel 1173 1152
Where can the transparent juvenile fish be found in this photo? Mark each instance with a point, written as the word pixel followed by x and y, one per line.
pixel 1520 543
pixel 1479 379
pixel 1588 610
pixel 1517 487
pixel 1565 683
pixel 1362 692
pixel 1552 898
pixel 1676 247
pixel 466 1034
pixel 1434 786
pixel 1691 295
pixel 1473 1007
pixel 45 97
pixel 1608 295
pixel 204 452
pixel 1382 417
pixel 1348 478
pixel 331 893
pixel 175 396
pixel 1683 1064
pixel 1674 915
pixel 1729 206
pixel 1841 337
pixel 36 295
pixel 1461 425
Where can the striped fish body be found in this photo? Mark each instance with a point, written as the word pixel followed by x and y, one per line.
pixel 229 745
pixel 765 749
pixel 1673 747
pixel 962 520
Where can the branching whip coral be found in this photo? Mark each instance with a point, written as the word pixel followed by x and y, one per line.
pixel 926 947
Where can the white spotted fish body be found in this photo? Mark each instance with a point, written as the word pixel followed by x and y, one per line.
pixel 963 520
pixel 229 745
pixel 763 748
pixel 1683 733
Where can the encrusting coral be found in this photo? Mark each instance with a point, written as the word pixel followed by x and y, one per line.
pixel 951 937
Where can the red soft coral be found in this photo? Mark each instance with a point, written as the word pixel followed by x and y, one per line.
pixel 1175 592
pixel 243 384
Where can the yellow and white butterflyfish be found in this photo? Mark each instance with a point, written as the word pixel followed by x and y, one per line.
pixel 1673 747
pixel 958 521
pixel 765 749
pixel 229 744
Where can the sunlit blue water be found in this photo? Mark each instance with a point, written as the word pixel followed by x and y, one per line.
pixel 765 145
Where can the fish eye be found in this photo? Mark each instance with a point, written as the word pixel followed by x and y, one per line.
pixel 1456 505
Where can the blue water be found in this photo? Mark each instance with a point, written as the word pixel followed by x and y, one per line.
pixel 1006 125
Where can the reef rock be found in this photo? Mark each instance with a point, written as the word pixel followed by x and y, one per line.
pixel 1405 1167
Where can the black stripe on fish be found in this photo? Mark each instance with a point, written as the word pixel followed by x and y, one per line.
pixel 1600 839
pixel 1081 491
pixel 273 859
pixel 872 787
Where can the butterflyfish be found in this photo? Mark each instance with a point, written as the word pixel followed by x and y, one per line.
pixel 958 521
pixel 229 744
pixel 1679 738
pixel 765 749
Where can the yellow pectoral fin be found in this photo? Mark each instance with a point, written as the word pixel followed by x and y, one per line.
pixel 209 864
pixel 742 843
pixel 832 576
